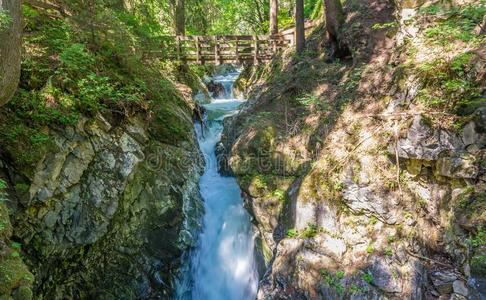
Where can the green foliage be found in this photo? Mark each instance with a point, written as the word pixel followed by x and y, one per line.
pixel 448 84
pixel 75 58
pixel 370 248
pixel 367 277
pixel 3 195
pixel 5 20
pixel 313 101
pixel 355 289
pixel 334 280
pixel 310 231
pixel 291 233
pixel 15 245
pixel 388 25
pixel 280 194
pixel 459 23
pixel 479 239
pixel 373 220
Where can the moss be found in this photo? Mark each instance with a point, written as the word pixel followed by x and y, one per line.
pixel 478 264
pixel 5 226
pixel 171 124
pixel 13 274
pixel 23 293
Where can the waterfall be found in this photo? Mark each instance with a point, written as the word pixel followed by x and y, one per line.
pixel 222 265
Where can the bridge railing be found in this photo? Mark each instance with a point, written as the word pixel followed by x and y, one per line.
pixel 222 49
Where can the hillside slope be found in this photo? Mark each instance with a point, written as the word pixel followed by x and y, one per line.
pixel 366 177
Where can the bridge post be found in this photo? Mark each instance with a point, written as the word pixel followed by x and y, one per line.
pixel 256 52
pixel 198 51
pixel 237 51
pixel 274 41
pixel 217 59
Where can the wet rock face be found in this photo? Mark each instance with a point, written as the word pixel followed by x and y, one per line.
pixel 110 211
pixel 216 89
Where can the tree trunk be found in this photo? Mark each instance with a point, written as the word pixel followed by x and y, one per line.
pixel 299 26
pixel 273 17
pixel 333 10
pixel 10 43
pixel 180 17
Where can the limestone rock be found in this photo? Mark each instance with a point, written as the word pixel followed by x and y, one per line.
pixel 459 287
pixel 364 199
pixel 443 281
pixel 425 143
pixel 111 198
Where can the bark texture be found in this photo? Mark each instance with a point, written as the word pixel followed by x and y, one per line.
pixel 333 11
pixel 10 43
pixel 273 17
pixel 180 17
pixel 299 26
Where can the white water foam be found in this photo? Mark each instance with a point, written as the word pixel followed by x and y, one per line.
pixel 222 266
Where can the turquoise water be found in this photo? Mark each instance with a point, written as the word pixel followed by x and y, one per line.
pixel 222 265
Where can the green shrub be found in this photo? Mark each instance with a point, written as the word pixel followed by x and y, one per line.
pixel 5 20
pixel 447 84
pixel 334 280
pixel 291 233
pixel 75 58
pixel 279 194
pixel 310 231
pixel 459 24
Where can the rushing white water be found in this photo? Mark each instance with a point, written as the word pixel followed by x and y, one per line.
pixel 222 266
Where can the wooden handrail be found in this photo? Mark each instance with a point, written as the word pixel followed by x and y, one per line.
pixel 227 48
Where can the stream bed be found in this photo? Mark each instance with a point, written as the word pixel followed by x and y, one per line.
pixel 222 266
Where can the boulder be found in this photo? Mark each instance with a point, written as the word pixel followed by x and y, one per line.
pixel 216 89
pixel 443 280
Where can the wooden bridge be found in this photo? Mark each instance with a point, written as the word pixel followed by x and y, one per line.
pixel 227 49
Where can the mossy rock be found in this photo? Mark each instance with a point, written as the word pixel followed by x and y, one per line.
pixel 478 264
pixel 5 226
pixel 23 293
pixel 13 275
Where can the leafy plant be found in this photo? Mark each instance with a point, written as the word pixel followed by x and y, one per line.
pixel 280 194
pixel 310 231
pixel 5 20
pixel 313 101
pixel 75 58
pixel 334 280
pixel 458 25
pixel 16 245
pixel 367 277
pixel 385 25
pixel 479 239
pixel 291 233
pixel 3 186
pixel 370 248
